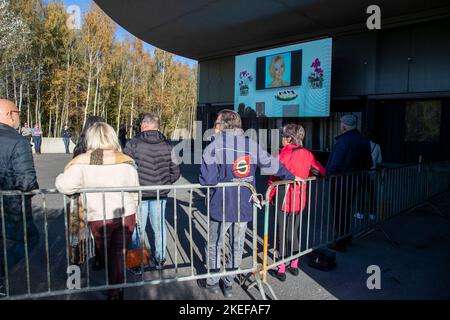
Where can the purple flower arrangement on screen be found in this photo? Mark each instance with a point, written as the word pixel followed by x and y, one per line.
pixel 244 79
pixel 315 79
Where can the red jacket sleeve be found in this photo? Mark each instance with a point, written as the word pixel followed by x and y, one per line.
pixel 317 166
pixel 281 158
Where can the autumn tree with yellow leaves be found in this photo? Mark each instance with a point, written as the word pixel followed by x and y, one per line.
pixel 57 75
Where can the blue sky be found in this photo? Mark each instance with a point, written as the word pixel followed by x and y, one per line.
pixel 121 33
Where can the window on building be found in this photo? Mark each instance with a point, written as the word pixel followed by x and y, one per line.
pixel 423 121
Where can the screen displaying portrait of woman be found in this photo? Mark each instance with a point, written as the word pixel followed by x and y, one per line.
pixel 278 70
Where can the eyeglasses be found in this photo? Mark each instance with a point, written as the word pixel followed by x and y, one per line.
pixel 218 122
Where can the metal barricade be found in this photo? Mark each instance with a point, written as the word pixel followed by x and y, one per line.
pixel 45 270
pixel 299 217
pixel 304 215
pixel 334 208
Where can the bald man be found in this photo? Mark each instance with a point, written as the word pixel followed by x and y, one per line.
pixel 16 173
pixel 9 114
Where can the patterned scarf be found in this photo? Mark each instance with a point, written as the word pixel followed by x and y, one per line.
pixel 100 157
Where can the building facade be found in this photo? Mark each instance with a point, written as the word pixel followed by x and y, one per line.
pixel 396 80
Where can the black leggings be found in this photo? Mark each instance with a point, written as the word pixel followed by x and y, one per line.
pixel 288 224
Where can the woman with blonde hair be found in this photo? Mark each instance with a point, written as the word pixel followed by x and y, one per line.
pixel 109 215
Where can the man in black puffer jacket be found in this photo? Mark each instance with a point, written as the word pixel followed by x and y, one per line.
pixel 153 155
pixel 17 173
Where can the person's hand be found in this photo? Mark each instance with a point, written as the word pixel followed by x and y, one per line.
pixel 254 199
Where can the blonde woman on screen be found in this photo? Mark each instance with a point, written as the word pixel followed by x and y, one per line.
pixel 277 68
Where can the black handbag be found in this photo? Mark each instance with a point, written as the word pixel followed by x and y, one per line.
pixel 322 259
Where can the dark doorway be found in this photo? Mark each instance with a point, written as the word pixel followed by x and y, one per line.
pixel 405 134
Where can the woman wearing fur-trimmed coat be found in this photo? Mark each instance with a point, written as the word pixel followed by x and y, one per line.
pixel 111 213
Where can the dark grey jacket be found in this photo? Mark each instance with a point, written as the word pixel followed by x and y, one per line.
pixel 153 155
pixel 16 173
pixel 350 153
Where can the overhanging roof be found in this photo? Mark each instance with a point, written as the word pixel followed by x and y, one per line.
pixel 202 29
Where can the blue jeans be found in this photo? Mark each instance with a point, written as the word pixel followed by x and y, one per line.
pixel 66 144
pixel 214 247
pixel 157 213
pixel 37 144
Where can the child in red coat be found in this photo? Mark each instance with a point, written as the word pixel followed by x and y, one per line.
pixel 300 162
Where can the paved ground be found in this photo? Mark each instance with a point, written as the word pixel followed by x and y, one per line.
pixel 416 269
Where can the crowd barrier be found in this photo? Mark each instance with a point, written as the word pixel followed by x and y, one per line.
pixel 43 272
pixel 337 207
pixel 333 208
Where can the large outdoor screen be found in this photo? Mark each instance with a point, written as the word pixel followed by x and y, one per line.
pixel 291 81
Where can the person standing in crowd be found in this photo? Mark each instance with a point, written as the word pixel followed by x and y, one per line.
pixel 66 135
pixel 231 157
pixel 241 110
pixel 375 149
pixel 81 146
pixel 27 132
pixel 123 135
pixel 37 138
pixel 377 159
pixel 103 166
pixel 250 115
pixel 153 155
pixel 351 153
pixel 17 172
pixel 301 162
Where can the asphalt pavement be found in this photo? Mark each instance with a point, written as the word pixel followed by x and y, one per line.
pixel 416 268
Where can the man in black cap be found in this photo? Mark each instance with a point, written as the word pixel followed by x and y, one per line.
pixel 351 153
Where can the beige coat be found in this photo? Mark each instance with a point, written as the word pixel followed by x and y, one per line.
pixel 79 174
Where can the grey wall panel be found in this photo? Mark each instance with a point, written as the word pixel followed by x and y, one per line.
pixel 353 66
pixel 217 81
pixel 392 60
pixel 227 85
pixel 205 82
pixel 213 81
pixel 430 52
